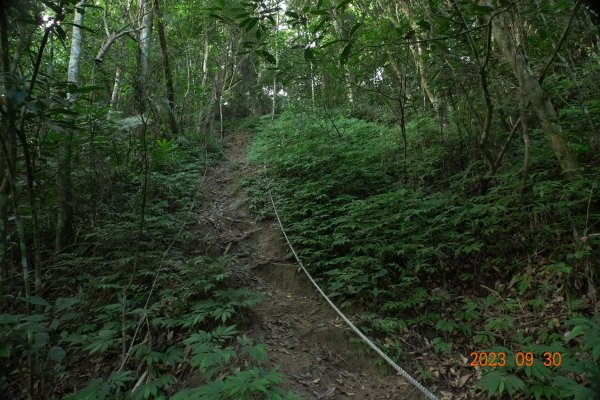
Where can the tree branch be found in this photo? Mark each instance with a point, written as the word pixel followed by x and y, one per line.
pixel 561 41
pixel 109 41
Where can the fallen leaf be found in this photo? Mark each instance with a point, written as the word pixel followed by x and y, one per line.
pixel 460 382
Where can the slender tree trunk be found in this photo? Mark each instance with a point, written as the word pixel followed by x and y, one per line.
pixel 64 221
pixel 517 59
pixel 402 105
pixel 439 103
pixel 350 86
pixel 8 152
pixel 205 58
pixel 167 69
pixel 274 105
pixel 523 103
pixel 3 223
pixel 312 84
pixel 29 166
pixel 114 98
pixel 348 76
pixel 145 36
pixel 482 69
pixel 254 95
pixel 75 55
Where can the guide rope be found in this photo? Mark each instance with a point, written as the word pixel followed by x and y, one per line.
pixel 368 341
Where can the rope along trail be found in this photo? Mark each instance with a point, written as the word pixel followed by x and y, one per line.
pixel 368 341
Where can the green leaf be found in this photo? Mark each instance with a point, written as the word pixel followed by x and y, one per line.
pixel 268 56
pixel 345 53
pixel 63 303
pixel 426 26
pixel 5 350
pixel 35 300
pixel 41 339
pixel 257 353
pixel 482 10
pixel 324 19
pixel 596 351
pixel 57 353
pixel 84 89
pixel 343 4
pixel 576 331
pixel 513 383
pixel 330 43
pixel 492 382
pixel 309 54
pixel 217 16
pixel 17 96
pixel 85 28
pixel 252 24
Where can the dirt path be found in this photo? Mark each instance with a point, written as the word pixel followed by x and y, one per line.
pixel 306 339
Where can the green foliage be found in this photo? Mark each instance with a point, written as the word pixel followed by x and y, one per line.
pixel 576 377
pixel 388 240
pixel 186 318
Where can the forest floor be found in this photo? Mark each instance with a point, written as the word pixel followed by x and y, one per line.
pixel 307 342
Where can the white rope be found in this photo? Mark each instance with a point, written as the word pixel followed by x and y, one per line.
pixel 368 341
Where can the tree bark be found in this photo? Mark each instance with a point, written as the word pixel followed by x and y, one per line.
pixel 8 139
pixel 141 93
pixel 114 97
pixel 205 57
pixel 440 105
pixel 64 220
pixel 517 59
pixel 523 104
pixel 342 35
pixel 274 105
pixel 170 91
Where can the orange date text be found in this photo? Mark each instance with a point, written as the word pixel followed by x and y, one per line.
pixel 521 359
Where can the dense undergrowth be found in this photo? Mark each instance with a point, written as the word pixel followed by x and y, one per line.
pixel 438 263
pixel 136 319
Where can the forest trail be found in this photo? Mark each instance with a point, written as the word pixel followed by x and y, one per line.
pixel 306 340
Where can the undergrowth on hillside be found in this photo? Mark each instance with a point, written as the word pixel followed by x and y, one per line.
pixel 124 320
pixel 421 246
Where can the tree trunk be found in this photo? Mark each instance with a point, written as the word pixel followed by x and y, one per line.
pixel 64 220
pixel 8 144
pixel 141 80
pixel 274 105
pixel 528 82
pixel 170 91
pixel 523 104
pixel 205 58
pixel 440 105
pixel 348 76
pixel 251 78
pixel 114 98
pixel 312 84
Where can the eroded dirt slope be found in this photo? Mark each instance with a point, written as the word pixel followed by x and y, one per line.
pixel 307 341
